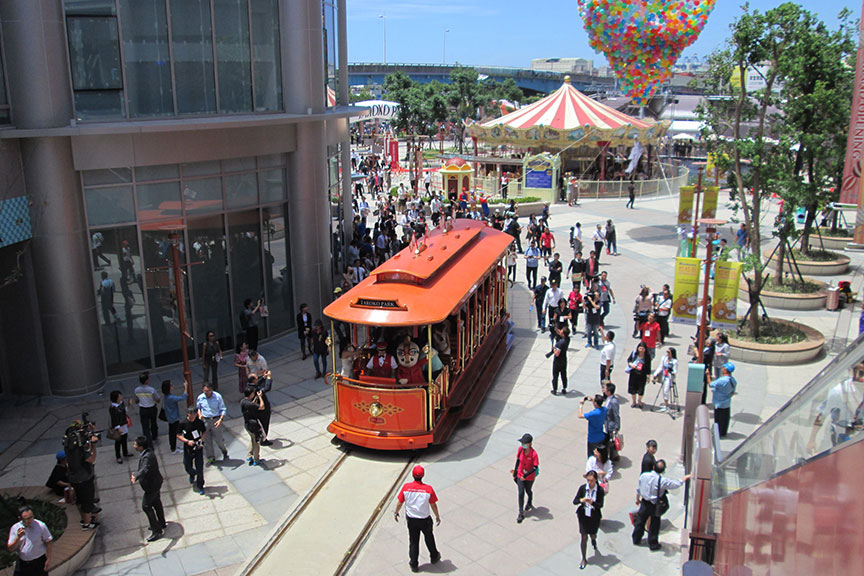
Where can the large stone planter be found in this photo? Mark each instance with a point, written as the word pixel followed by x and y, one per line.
pixel 829 268
pixel 833 243
pixel 754 353
pixel 73 548
pixel 784 301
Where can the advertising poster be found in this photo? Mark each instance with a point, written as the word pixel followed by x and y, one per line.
pixel 724 310
pixel 709 201
pixel 685 206
pixel 538 173
pixel 686 292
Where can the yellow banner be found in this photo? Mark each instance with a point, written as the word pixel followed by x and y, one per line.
pixel 709 201
pixel 685 206
pixel 725 303
pixel 686 294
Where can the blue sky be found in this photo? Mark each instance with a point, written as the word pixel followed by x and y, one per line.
pixel 511 32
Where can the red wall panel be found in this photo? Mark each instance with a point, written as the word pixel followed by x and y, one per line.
pixel 809 521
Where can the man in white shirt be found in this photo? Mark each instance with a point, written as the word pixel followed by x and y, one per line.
pixel 550 301
pixel 607 357
pixel 427 181
pixel 599 238
pixel 31 541
pixel 652 487
pixel 418 498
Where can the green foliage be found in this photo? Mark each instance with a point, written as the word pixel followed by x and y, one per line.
pixel 361 97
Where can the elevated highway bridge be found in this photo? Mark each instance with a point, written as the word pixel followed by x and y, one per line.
pixel 530 81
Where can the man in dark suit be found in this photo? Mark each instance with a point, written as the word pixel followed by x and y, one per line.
pixel 304 330
pixel 150 479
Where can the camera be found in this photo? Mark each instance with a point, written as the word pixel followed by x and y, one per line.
pixel 550 353
pixel 80 435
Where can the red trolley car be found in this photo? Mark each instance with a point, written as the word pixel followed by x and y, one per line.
pixel 445 295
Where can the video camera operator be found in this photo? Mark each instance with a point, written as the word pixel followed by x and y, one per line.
pixel 260 377
pixel 79 443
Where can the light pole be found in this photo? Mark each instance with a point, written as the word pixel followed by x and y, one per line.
pixel 383 18
pixel 444 47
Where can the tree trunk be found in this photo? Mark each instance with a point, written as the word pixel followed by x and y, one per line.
pixel 808 228
pixel 781 256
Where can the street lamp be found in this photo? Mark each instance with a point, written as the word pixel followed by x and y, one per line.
pixel 383 18
pixel 444 47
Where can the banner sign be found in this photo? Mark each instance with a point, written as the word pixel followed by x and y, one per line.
pixel 724 310
pixel 686 294
pixel 377 110
pixel 709 201
pixel 685 206
pixel 855 139
pixel 14 220
pixel 538 172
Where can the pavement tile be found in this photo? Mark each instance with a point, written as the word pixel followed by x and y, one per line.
pixel 195 559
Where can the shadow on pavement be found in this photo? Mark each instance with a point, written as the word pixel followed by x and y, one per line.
pixel 611 526
pixel 443 567
pixel 539 514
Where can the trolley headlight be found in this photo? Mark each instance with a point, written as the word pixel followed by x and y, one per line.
pixel 375 409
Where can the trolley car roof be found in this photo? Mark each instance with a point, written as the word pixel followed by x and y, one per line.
pixel 426 282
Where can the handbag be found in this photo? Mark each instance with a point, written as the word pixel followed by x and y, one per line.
pixel 662 505
pixel 618 441
pixel 162 416
pixel 128 421
pixel 113 434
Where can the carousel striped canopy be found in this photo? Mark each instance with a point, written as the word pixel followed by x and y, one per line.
pixel 566 117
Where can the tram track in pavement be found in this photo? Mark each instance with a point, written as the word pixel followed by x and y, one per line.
pixel 320 536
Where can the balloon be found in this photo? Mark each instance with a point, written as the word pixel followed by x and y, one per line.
pixel 642 39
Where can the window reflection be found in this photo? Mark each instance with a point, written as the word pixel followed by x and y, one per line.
pixel 245 261
pixel 161 298
pixel 277 269
pixel 209 277
pixel 201 196
pixel 146 58
pixel 231 19
pixel 265 48
pixel 118 283
pixel 193 57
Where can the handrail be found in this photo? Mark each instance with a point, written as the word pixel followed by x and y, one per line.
pixel 823 412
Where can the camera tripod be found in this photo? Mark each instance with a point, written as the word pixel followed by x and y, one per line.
pixel 674 404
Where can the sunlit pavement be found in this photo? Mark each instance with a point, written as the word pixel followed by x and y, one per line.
pixel 215 533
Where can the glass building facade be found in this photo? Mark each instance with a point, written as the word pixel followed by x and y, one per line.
pixel 145 127
pixel 233 244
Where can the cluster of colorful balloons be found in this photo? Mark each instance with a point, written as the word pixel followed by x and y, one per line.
pixel 642 39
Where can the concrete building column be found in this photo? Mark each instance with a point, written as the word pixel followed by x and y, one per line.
pixel 347 183
pixel 309 204
pixel 34 34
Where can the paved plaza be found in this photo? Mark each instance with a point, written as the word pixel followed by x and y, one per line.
pixel 219 532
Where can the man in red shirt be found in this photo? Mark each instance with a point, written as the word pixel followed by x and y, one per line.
pixel 418 498
pixel 527 469
pixel 650 332
pixel 547 243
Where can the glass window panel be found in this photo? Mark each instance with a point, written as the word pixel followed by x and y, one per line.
pixel 121 303
pixel 109 205
pixel 201 196
pixel 157 249
pixel 239 164
pixel 277 270
pixel 89 7
pixel 163 172
pixel 200 169
pixel 244 246
pixel 164 322
pixel 271 160
pixel 159 200
pixel 146 57
pixel 99 104
pixel 112 176
pixel 266 65
pixel 209 278
pixel 94 53
pixel 273 185
pixel 232 55
pixel 330 51
pixel 5 116
pixel 193 57
pixel 4 101
pixel 241 190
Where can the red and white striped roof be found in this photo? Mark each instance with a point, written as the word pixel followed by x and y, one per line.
pixel 331 97
pixel 567 109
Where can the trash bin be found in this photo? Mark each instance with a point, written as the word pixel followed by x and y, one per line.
pixel 832 302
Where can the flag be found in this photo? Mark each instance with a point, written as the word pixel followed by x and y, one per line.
pixel 724 311
pixel 686 295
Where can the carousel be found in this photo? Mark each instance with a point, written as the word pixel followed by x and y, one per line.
pixel 569 134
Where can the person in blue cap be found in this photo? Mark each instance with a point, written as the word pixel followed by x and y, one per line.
pixel 722 390
pixel 58 482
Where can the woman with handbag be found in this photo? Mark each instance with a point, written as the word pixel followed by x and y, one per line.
pixel 602 466
pixel 639 367
pixel 119 431
pixel 589 499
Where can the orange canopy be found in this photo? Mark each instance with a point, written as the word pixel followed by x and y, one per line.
pixel 424 284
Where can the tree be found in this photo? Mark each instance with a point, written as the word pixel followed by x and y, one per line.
pixel 361 97
pixel 465 98
pixel 818 74
pixel 740 121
